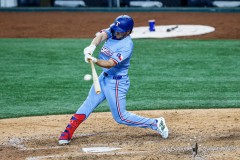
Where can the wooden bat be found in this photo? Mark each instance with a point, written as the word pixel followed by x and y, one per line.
pixel 95 79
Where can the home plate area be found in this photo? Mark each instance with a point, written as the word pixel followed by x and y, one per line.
pixel 101 138
pixel 135 146
pixel 167 31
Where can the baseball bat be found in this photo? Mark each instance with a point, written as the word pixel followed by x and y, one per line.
pixel 95 79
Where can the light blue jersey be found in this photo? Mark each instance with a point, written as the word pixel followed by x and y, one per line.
pixel 118 50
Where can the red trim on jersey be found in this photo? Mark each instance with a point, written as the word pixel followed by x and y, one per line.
pixel 118 108
pixel 115 61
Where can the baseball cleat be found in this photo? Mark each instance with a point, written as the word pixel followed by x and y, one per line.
pixel 63 142
pixel 162 127
pixel 64 138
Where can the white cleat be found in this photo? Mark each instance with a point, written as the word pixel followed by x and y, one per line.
pixel 162 127
pixel 64 142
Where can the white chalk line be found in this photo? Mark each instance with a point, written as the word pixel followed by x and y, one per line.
pixel 43 157
pixel 43 148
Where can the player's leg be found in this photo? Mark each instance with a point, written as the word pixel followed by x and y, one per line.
pixel 115 92
pixel 91 102
pixel 117 101
pixel 66 135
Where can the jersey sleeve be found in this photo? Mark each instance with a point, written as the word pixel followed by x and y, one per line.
pixel 108 31
pixel 122 54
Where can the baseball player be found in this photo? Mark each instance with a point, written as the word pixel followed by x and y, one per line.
pixel 114 59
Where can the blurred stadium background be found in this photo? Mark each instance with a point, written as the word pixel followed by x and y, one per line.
pixel 120 3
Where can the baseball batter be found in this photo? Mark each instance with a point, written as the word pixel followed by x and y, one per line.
pixel 114 59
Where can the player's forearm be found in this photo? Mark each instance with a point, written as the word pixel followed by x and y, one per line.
pixel 105 64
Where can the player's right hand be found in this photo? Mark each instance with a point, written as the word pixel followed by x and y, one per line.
pixel 89 50
pixel 88 57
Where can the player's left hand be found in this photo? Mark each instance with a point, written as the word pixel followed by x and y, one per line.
pixel 88 57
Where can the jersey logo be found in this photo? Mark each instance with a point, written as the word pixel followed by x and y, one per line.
pixel 120 57
pixel 106 51
pixel 117 23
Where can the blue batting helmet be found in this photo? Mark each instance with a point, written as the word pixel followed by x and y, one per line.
pixel 121 24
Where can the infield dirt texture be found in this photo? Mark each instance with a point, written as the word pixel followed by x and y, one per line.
pixel 217 131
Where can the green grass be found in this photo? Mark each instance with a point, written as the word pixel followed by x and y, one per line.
pixel 45 76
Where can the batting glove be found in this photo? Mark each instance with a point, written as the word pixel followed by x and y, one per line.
pixel 89 50
pixel 89 57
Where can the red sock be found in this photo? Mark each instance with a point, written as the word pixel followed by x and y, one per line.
pixel 75 121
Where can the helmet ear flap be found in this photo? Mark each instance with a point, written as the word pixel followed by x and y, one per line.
pixel 112 32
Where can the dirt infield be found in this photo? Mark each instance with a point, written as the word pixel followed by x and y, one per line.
pixel 217 131
pixel 86 24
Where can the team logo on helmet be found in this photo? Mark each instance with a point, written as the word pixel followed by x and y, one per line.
pixel 117 23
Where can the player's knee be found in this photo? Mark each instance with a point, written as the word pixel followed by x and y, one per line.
pixel 119 120
pixel 122 118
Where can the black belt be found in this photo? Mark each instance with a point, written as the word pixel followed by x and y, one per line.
pixel 114 76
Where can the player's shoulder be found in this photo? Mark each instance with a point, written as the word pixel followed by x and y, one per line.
pixel 128 41
pixel 128 38
pixel 126 44
pixel 105 31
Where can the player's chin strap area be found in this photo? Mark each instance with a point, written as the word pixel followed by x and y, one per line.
pixel 114 35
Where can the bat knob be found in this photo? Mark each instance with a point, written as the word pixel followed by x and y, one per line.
pixel 98 92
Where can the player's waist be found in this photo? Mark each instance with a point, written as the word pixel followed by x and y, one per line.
pixel 113 76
